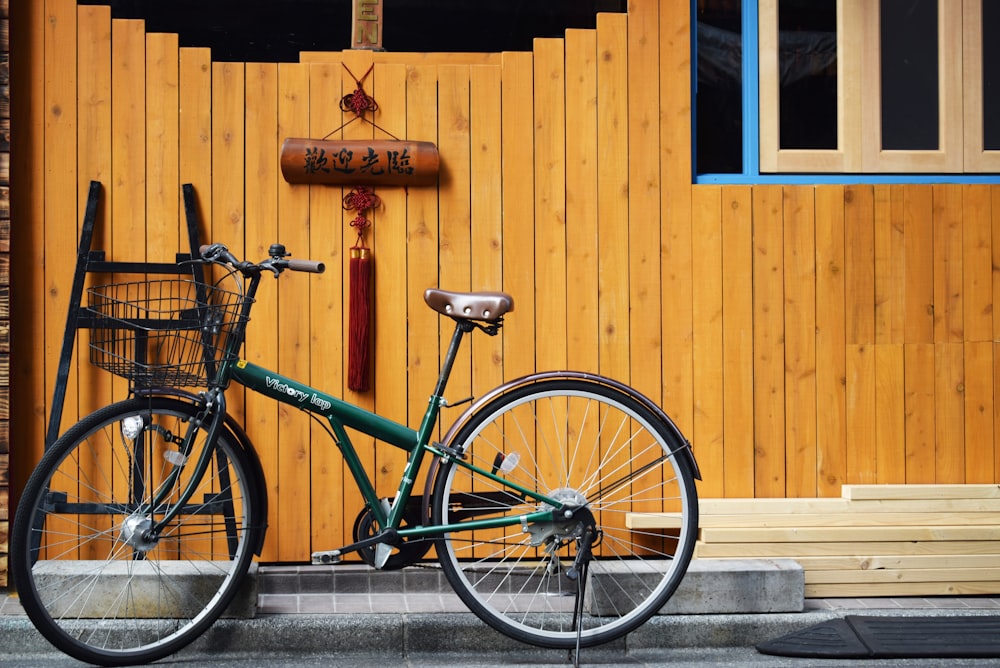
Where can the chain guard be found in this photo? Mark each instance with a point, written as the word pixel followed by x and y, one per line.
pixel 405 553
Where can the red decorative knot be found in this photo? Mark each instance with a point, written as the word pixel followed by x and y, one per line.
pixel 360 223
pixel 361 199
pixel 359 101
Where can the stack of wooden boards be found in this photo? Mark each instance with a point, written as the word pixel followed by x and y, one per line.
pixel 875 540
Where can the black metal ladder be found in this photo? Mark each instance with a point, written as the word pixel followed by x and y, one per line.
pixel 93 261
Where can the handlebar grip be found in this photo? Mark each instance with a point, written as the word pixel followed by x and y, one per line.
pixel 310 266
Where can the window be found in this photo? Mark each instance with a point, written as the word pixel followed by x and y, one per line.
pixel 855 86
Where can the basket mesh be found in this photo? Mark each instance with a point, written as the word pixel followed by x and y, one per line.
pixel 164 333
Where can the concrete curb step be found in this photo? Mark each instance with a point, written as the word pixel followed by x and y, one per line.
pixel 720 603
pixel 711 586
pixel 400 635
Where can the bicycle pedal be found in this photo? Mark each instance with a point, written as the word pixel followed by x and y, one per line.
pixel 327 558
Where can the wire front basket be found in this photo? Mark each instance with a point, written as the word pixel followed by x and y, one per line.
pixel 164 333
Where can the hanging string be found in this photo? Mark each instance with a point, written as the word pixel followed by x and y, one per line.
pixel 359 103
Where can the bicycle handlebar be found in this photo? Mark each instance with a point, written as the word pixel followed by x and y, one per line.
pixel 277 262
pixel 311 266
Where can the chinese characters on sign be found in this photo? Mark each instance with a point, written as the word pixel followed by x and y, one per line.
pixel 366 26
pixel 370 162
pixel 359 162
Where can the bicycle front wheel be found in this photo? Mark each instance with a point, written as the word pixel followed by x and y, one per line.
pixel 91 575
pixel 590 447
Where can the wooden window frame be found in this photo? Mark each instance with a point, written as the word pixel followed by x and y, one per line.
pixel 977 158
pixel 859 97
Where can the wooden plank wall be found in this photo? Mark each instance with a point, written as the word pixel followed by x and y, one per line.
pixel 803 337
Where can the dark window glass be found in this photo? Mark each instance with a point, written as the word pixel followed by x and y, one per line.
pixel 991 75
pixel 909 54
pixel 807 62
pixel 277 30
pixel 719 98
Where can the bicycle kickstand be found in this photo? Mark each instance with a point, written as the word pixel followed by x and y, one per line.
pixel 579 572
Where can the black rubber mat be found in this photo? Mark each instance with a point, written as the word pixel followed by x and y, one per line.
pixel 858 637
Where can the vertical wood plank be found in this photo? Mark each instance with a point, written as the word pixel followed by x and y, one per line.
pixel 769 349
pixel 261 231
pixel 676 167
pixel 228 163
pixel 995 228
pixel 289 522
pixel 518 161
pixel 228 99
pixel 799 231
pixel 195 99
pixel 421 246
pixel 581 200
pixel 455 209
pixel 977 263
pixel 94 164
pixel 61 220
pixel 889 264
pixel 837 294
pixel 325 238
pixel 949 412
pixel 947 267
pixel 30 403
pixel 389 238
pixel 890 414
pixel 979 408
pixel 487 211
pixel 737 340
pixel 127 195
pixel 918 383
pixel 859 262
pixel 128 201
pixel 707 360
pixel 127 198
pixel 164 238
pixel 336 301
pixel 612 194
pixel 644 187
pixel 861 462
pixel 918 246
pixel 996 407
pixel 61 231
pixel 550 202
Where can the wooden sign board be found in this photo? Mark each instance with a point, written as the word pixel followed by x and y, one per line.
pixel 366 25
pixel 359 162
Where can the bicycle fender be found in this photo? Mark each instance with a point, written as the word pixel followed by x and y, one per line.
pixel 259 518
pixel 682 448
pixel 239 436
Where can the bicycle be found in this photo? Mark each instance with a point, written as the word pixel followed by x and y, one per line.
pixel 138 525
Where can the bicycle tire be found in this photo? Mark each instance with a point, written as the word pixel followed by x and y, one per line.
pixel 90 581
pixel 583 443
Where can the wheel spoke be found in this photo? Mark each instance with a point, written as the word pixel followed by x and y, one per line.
pixel 597 452
pixel 89 577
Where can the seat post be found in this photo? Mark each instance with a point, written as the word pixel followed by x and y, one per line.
pixel 462 327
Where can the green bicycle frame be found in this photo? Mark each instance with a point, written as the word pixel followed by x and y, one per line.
pixel 341 414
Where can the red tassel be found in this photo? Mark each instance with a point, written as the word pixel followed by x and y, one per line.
pixel 360 316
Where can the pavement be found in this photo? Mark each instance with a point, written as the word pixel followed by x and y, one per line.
pixel 304 621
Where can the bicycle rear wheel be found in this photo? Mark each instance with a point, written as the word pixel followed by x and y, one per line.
pixel 89 576
pixel 589 446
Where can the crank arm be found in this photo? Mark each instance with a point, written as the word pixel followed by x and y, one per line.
pixel 389 536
